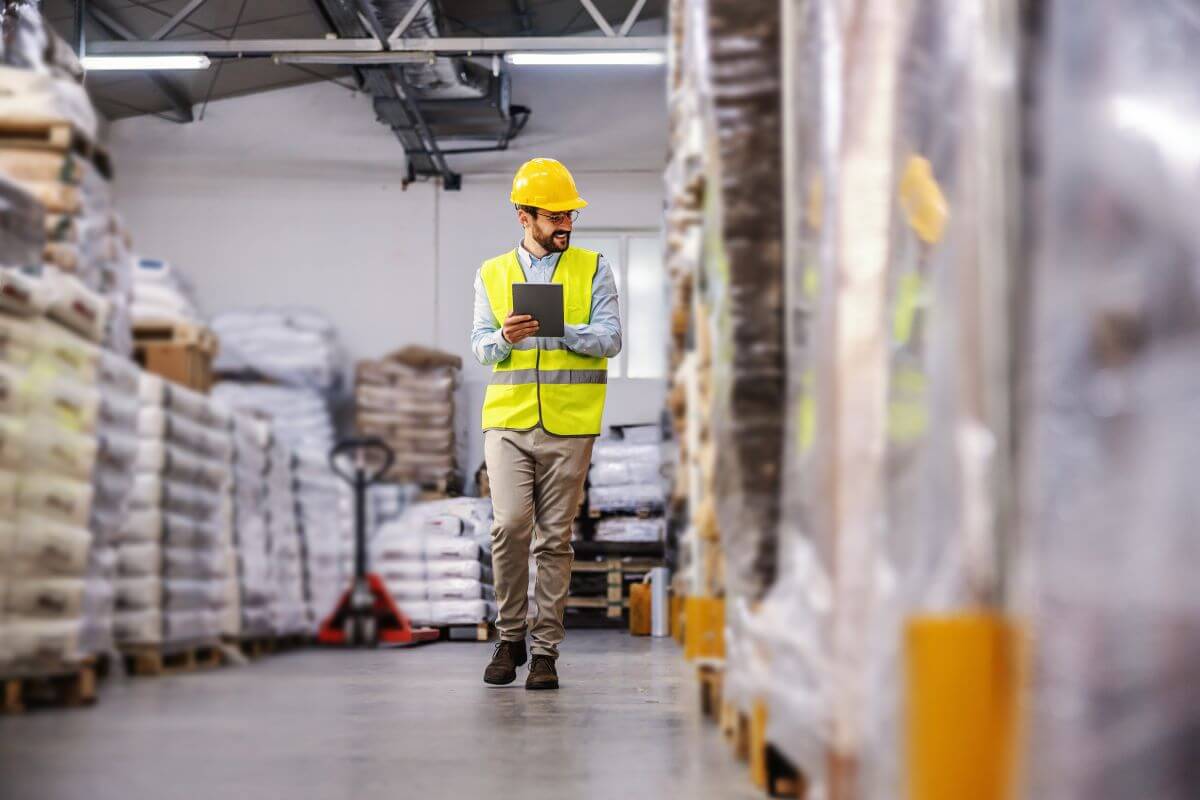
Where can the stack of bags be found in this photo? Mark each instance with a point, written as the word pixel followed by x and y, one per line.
pixel 290 613
pixel 290 346
pixel 407 399
pixel 626 478
pixel 251 516
pixel 49 412
pixel 436 562
pixel 40 85
pixel 318 507
pixel 182 470
pixel 162 294
pixel 118 381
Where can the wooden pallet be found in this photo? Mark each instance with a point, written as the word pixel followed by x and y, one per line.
pixel 157 660
pixel 641 513
pixel 175 332
pixel 256 647
pixel 735 727
pixel 614 601
pixel 711 678
pixel 68 687
pixel 479 632
pixel 178 351
pixel 53 134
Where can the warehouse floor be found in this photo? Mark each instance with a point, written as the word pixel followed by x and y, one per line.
pixel 361 725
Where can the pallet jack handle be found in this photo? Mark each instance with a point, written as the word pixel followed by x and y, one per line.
pixel 360 450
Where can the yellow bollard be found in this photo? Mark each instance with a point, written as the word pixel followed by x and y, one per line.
pixel 962 684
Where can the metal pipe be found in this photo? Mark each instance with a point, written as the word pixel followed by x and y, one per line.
pixel 438 45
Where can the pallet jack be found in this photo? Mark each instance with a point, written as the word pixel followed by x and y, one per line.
pixel 366 615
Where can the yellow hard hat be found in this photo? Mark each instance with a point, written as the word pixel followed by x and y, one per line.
pixel 546 183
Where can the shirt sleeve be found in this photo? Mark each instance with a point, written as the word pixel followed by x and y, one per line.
pixel 601 337
pixel 487 342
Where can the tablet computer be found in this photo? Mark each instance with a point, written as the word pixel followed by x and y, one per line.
pixel 543 302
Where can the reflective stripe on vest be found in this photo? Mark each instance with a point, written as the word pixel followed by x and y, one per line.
pixel 542 382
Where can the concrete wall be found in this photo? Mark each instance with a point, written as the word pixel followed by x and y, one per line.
pixel 295 197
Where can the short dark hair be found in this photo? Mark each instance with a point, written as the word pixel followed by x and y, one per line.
pixel 530 210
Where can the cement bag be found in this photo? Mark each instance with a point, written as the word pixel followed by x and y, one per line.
pixel 18 339
pixel 140 560
pixel 402 590
pixel 46 598
pixel 49 642
pixel 614 450
pixel 147 491
pixel 182 626
pixel 402 571
pixel 9 483
pixel 466 568
pixel 151 455
pixel 118 450
pixel 184 595
pixel 627 498
pixel 53 449
pixel 47 547
pixel 184 499
pixel 78 307
pixel 459 589
pixel 136 594
pixel 14 389
pixel 64 353
pixel 32 96
pixel 420 612
pixel 630 529
pixel 142 525
pixel 118 410
pixel 617 473
pixel 443 525
pixel 461 612
pixel 12 442
pixel 62 499
pixel 438 547
pixel 137 627
pixel 118 374
pixel 398 549
pixel 152 390
pixel 195 406
pixel 68 402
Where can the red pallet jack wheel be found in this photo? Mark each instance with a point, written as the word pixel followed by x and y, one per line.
pixel 366 615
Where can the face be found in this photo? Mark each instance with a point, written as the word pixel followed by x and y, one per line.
pixel 554 235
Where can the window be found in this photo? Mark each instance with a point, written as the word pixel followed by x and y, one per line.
pixel 637 263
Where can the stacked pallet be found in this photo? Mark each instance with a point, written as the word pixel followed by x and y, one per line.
pixel 407 400
pixel 48 423
pixel 436 562
pixel 326 544
pixel 169 338
pixel 626 483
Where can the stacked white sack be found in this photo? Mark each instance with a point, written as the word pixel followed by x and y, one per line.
pixel 251 515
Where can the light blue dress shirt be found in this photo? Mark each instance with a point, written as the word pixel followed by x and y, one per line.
pixel 600 337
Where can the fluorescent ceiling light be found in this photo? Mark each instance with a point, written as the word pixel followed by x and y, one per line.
pixel 102 63
pixel 612 58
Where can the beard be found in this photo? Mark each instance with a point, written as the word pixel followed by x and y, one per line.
pixel 549 241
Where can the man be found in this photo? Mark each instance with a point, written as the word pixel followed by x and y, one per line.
pixel 541 412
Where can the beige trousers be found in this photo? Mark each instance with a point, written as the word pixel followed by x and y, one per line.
pixel 537 484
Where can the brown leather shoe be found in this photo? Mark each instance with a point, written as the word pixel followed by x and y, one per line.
pixel 542 674
pixel 502 670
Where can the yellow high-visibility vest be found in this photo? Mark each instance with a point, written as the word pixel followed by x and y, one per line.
pixel 550 386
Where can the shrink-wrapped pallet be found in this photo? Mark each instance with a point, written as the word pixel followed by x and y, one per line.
pixel 1110 442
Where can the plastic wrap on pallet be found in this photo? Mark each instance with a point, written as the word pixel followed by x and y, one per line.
pixel 628 499
pixel 630 529
pixel 1113 417
pixel 744 265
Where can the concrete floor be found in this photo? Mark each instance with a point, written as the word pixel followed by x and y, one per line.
pixel 342 725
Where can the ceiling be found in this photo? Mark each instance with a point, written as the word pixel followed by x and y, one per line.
pixel 119 95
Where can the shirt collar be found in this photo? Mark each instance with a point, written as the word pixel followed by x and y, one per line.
pixel 527 258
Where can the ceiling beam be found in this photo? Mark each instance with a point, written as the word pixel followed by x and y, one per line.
pixel 440 45
pixel 599 19
pixel 177 20
pixel 172 92
pixel 407 20
pixel 634 13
